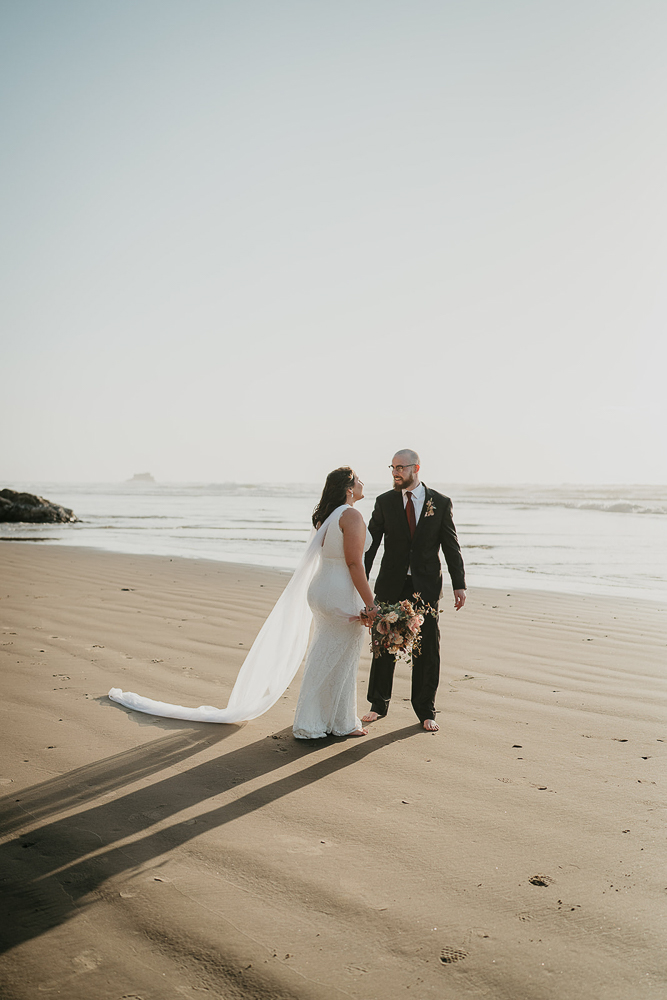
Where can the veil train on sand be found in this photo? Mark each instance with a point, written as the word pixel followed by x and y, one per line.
pixel 272 660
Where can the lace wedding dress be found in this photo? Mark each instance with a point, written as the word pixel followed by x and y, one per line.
pixel 328 697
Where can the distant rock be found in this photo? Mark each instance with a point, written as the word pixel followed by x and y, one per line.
pixel 141 477
pixel 16 506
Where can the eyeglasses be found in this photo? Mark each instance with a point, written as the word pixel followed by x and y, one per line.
pixel 400 468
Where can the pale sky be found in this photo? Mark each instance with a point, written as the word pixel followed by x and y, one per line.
pixel 254 240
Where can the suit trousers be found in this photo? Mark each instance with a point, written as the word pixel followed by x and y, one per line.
pixel 425 669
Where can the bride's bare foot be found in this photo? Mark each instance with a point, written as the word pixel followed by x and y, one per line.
pixel 358 732
pixel 370 717
pixel 430 726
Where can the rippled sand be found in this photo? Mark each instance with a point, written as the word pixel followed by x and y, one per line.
pixel 518 854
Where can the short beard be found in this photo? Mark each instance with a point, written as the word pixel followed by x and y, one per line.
pixel 409 485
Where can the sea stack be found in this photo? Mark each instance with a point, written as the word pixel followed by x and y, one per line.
pixel 141 477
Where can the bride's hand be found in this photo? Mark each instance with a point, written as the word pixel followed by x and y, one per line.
pixel 368 615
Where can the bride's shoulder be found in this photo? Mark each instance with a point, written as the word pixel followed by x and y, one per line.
pixel 351 516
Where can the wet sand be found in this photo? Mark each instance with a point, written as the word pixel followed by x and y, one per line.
pixel 518 854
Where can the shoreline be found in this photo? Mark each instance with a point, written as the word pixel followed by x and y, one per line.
pixel 623 595
pixel 157 857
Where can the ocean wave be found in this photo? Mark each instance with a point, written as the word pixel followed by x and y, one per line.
pixel 253 539
pixel 244 526
pixel 615 507
pixel 604 505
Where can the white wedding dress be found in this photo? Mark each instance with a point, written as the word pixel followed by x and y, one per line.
pixel 277 652
pixel 328 698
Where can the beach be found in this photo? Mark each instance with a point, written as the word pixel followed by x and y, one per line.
pixel 518 854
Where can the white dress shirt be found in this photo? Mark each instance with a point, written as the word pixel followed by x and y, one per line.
pixel 418 496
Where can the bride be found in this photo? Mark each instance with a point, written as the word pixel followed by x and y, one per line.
pixel 328 698
pixel 331 576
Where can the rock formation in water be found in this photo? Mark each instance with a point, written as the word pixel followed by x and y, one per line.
pixel 141 477
pixel 16 506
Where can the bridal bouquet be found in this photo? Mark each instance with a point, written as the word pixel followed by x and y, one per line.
pixel 397 627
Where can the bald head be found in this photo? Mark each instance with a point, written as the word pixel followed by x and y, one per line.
pixel 406 456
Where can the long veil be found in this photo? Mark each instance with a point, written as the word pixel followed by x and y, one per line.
pixel 272 660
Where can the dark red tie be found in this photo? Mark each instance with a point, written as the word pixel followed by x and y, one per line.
pixel 410 511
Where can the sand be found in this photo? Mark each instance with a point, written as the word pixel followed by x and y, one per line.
pixel 518 854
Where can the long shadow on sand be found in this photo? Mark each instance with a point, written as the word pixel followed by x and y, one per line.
pixel 104 776
pixel 47 872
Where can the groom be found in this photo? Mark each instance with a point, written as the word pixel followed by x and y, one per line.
pixel 415 522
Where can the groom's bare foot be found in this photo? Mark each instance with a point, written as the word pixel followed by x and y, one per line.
pixel 430 726
pixel 370 717
pixel 358 732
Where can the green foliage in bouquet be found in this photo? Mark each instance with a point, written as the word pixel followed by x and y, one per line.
pixel 397 627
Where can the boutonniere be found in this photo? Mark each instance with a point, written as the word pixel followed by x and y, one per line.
pixel 430 509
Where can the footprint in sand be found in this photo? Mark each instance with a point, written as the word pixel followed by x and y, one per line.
pixel 540 880
pixel 449 955
pixel 86 961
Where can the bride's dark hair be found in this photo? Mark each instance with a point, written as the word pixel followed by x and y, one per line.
pixel 334 493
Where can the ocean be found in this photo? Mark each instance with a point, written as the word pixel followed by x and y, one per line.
pixel 607 540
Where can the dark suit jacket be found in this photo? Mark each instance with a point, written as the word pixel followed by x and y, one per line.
pixel 422 551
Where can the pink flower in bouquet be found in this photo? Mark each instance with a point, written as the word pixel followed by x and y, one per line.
pixel 416 623
pixel 391 617
pixel 383 626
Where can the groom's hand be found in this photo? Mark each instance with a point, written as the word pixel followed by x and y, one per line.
pixel 459 599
